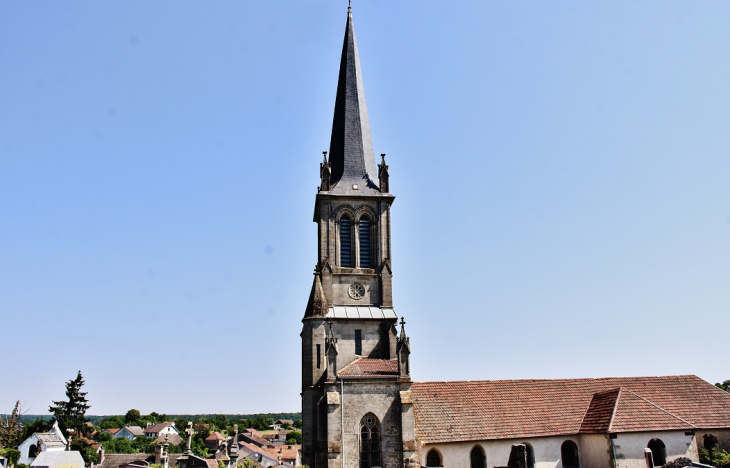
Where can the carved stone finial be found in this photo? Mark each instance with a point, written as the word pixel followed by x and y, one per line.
pixel 325 173
pixel 383 175
pixel 189 431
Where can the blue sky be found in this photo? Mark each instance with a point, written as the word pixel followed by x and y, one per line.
pixel 561 172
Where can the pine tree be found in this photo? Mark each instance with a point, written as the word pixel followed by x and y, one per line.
pixel 71 414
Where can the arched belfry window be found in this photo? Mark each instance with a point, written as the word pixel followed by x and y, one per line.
pixel 346 256
pixel 569 454
pixel 478 459
pixel 369 442
pixel 433 458
pixel 363 237
pixel 658 452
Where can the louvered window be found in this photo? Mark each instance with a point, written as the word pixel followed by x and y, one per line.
pixel 346 242
pixel 364 238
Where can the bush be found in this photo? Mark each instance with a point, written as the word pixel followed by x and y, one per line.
pixel 294 438
pixel 714 457
pixel 13 455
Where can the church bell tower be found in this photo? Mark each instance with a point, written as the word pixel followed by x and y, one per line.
pixel 356 406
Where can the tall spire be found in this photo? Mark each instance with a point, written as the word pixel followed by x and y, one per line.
pixel 351 148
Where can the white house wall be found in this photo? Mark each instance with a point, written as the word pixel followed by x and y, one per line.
pixel 594 450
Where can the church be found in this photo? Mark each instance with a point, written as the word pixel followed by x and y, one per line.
pixel 360 408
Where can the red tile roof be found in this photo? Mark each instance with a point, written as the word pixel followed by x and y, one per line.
pixel 483 410
pixel 215 435
pixel 368 368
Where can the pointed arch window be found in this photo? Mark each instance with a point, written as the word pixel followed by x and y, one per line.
pixel 363 236
pixel 478 459
pixel 433 458
pixel 369 442
pixel 346 256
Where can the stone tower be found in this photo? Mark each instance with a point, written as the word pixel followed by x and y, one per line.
pixel 356 405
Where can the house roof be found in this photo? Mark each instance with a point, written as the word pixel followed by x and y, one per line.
pixel 155 428
pixel 254 438
pixel 135 430
pixel 172 439
pixel 215 435
pixel 369 368
pixel 287 452
pixel 501 409
pixel 52 459
pixel 50 439
pixel 115 460
pixel 113 430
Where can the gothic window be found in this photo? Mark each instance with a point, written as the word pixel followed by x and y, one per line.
pixel 658 452
pixel 364 242
pixel 346 242
pixel 569 454
pixel 369 442
pixel 478 460
pixel 433 458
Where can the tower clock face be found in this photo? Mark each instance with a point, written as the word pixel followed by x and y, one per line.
pixel 356 291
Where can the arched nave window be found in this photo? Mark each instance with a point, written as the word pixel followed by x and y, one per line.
pixel 658 452
pixel 569 454
pixel 433 458
pixel 478 459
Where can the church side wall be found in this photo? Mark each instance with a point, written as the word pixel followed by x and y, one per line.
pixel 722 435
pixel 630 447
pixel 594 450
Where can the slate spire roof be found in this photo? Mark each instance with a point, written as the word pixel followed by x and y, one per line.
pixel 351 147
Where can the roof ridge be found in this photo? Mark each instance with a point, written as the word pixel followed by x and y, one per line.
pixel 659 407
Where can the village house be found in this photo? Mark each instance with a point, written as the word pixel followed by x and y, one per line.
pixel 156 430
pixel 129 432
pixel 39 442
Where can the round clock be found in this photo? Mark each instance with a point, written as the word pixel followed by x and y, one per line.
pixel 356 291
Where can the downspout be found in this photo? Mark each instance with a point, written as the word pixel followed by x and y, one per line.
pixel 342 419
pixel 613 450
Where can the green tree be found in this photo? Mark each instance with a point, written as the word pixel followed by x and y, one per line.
pixel 294 438
pixel 86 450
pixel 133 417
pixel 725 385
pixel 71 414
pixel 10 428
pixel 112 422
pixel 39 425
